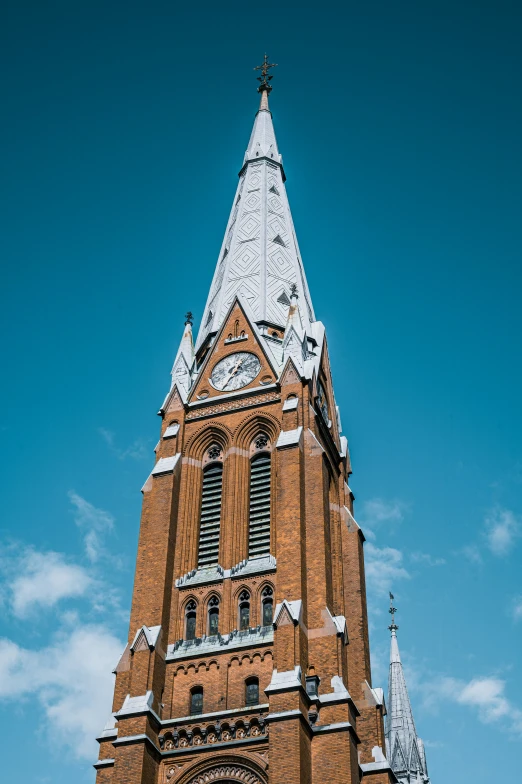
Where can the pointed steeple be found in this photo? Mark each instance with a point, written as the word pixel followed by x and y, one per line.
pixel 259 259
pixel 183 364
pixel 404 749
pixel 294 341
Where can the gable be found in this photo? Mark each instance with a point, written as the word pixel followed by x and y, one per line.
pixel 237 360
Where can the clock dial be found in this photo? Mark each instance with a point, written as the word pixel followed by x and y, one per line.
pixel 235 371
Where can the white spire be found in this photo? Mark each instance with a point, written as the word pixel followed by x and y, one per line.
pixel 294 341
pixel 183 364
pixel 404 749
pixel 259 258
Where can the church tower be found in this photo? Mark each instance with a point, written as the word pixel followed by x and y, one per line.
pixel 248 653
pixel 404 748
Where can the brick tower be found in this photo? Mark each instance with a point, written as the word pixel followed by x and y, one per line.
pixel 248 654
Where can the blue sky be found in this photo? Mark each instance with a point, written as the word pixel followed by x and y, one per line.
pixel 124 129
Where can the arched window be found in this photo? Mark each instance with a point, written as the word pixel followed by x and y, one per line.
pixel 259 511
pixel 252 691
pixel 190 620
pixel 213 616
pixel 244 610
pixel 267 606
pixel 210 517
pixel 196 700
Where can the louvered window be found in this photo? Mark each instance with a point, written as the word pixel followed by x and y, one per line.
pixel 259 517
pixel 210 515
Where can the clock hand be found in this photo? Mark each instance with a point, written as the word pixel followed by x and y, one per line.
pixel 233 372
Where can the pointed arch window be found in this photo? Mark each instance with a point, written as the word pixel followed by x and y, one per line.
pixel 267 606
pixel 244 610
pixel 210 517
pixel 259 509
pixel 213 616
pixel 190 620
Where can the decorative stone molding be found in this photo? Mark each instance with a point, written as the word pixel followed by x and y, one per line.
pixel 213 733
pixel 259 564
pixel 227 773
pixel 259 635
pixel 211 574
pixel 233 405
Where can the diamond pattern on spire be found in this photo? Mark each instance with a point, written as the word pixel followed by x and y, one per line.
pixel 260 248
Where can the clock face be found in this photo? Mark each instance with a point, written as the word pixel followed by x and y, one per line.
pixel 235 371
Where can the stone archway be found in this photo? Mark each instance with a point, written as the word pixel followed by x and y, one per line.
pixel 226 774
pixel 225 771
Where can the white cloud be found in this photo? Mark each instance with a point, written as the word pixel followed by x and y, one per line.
pixel 485 695
pixel 42 580
pixel 426 559
pixel 383 567
pixel 96 522
pixel 138 450
pixel 377 510
pixel 72 680
pixel 517 608
pixel 502 529
pixel 472 553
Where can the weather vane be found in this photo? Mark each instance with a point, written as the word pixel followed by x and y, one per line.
pixel 265 77
pixel 393 626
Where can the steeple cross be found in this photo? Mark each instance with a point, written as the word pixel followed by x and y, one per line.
pixel 264 68
pixel 393 627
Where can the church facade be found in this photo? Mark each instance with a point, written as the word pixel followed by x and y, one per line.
pixel 248 652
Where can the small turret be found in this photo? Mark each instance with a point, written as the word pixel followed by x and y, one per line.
pixel 184 362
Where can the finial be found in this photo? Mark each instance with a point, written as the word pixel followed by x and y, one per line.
pixel 189 318
pixel 293 290
pixel 393 626
pixel 265 77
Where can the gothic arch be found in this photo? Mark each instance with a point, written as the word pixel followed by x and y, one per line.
pixel 191 597
pixel 251 425
pixel 210 433
pixel 225 768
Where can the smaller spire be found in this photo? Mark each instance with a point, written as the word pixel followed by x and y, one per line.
pixel 404 749
pixel 294 341
pixel 184 362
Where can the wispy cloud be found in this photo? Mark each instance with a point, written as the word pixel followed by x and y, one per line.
pixel 502 529
pixel 138 450
pixel 472 553
pixel 516 608
pixel 71 679
pixel 378 510
pixel 383 566
pixel 426 559
pixel 41 580
pixel 486 695
pixel 94 522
